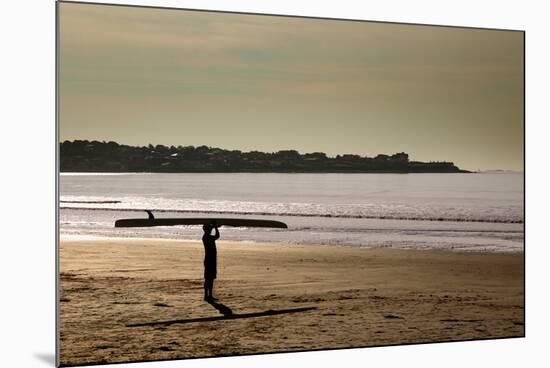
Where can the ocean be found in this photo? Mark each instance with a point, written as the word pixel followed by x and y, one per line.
pixel 467 212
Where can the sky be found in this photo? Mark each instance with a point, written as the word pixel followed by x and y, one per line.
pixel 248 82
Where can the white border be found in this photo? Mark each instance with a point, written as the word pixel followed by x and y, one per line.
pixel 27 152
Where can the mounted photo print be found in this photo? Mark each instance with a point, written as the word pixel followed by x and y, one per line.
pixel 234 184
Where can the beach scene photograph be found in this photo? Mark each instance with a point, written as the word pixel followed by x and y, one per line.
pixel 234 184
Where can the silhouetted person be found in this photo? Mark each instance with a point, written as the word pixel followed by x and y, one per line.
pixel 210 255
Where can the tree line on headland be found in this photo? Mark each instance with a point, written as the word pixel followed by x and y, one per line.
pixel 95 156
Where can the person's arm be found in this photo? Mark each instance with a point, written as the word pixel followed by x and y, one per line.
pixel 216 233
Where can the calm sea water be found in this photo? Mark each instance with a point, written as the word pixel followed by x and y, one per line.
pixel 475 212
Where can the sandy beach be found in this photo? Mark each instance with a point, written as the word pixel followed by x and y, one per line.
pixel 131 300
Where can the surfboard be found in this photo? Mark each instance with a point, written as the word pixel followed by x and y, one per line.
pixel 234 222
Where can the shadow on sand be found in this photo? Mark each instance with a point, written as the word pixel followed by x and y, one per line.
pixel 227 313
pixel 223 309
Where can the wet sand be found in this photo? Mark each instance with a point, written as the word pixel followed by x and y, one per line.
pixel 140 300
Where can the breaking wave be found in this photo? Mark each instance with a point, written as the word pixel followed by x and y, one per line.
pixel 448 218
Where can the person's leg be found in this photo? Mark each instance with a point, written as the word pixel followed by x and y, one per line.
pixel 208 285
pixel 212 289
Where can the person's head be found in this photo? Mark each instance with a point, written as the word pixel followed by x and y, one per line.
pixel 207 228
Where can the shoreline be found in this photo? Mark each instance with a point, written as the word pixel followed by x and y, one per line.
pixel 104 238
pixel 126 299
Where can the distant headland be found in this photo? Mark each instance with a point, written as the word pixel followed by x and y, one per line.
pixel 95 156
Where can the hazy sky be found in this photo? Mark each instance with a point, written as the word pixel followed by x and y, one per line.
pixel 139 76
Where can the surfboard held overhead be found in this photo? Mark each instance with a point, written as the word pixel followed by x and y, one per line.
pixel 234 222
